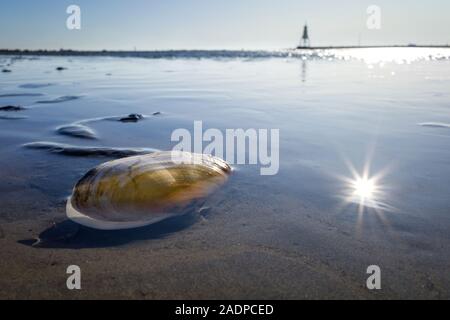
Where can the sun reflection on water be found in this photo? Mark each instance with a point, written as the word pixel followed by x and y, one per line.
pixel 405 55
pixel 367 191
pixel 380 55
pixel 365 188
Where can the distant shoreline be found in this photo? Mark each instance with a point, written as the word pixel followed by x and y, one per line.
pixel 192 53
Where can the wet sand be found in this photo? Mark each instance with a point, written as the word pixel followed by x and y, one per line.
pixel 224 255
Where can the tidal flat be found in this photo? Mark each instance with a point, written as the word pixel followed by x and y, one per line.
pixel 293 235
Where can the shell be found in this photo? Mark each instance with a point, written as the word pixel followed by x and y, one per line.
pixel 141 190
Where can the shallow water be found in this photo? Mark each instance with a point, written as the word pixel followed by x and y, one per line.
pixel 332 109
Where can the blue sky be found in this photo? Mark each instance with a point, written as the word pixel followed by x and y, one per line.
pixel 214 24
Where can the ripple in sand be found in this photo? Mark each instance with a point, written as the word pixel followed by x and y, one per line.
pixel 14 95
pixel 60 99
pixel 35 85
pixel 12 117
pixel 134 117
pixel 435 125
pixel 81 130
pixel 71 150
pixel 77 130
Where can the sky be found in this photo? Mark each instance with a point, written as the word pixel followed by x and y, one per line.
pixel 218 24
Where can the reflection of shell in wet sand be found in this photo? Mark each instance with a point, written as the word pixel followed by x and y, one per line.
pixel 141 190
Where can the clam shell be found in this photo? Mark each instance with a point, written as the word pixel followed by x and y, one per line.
pixel 141 190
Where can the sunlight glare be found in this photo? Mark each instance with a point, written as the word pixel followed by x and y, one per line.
pixel 364 188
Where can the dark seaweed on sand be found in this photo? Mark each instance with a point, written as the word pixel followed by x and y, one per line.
pixel 134 117
pixel 12 108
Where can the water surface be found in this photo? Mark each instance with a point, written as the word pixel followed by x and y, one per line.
pixel 292 235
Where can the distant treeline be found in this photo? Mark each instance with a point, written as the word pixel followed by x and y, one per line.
pixel 195 53
pixel 68 52
pixel 155 54
pixel 150 54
